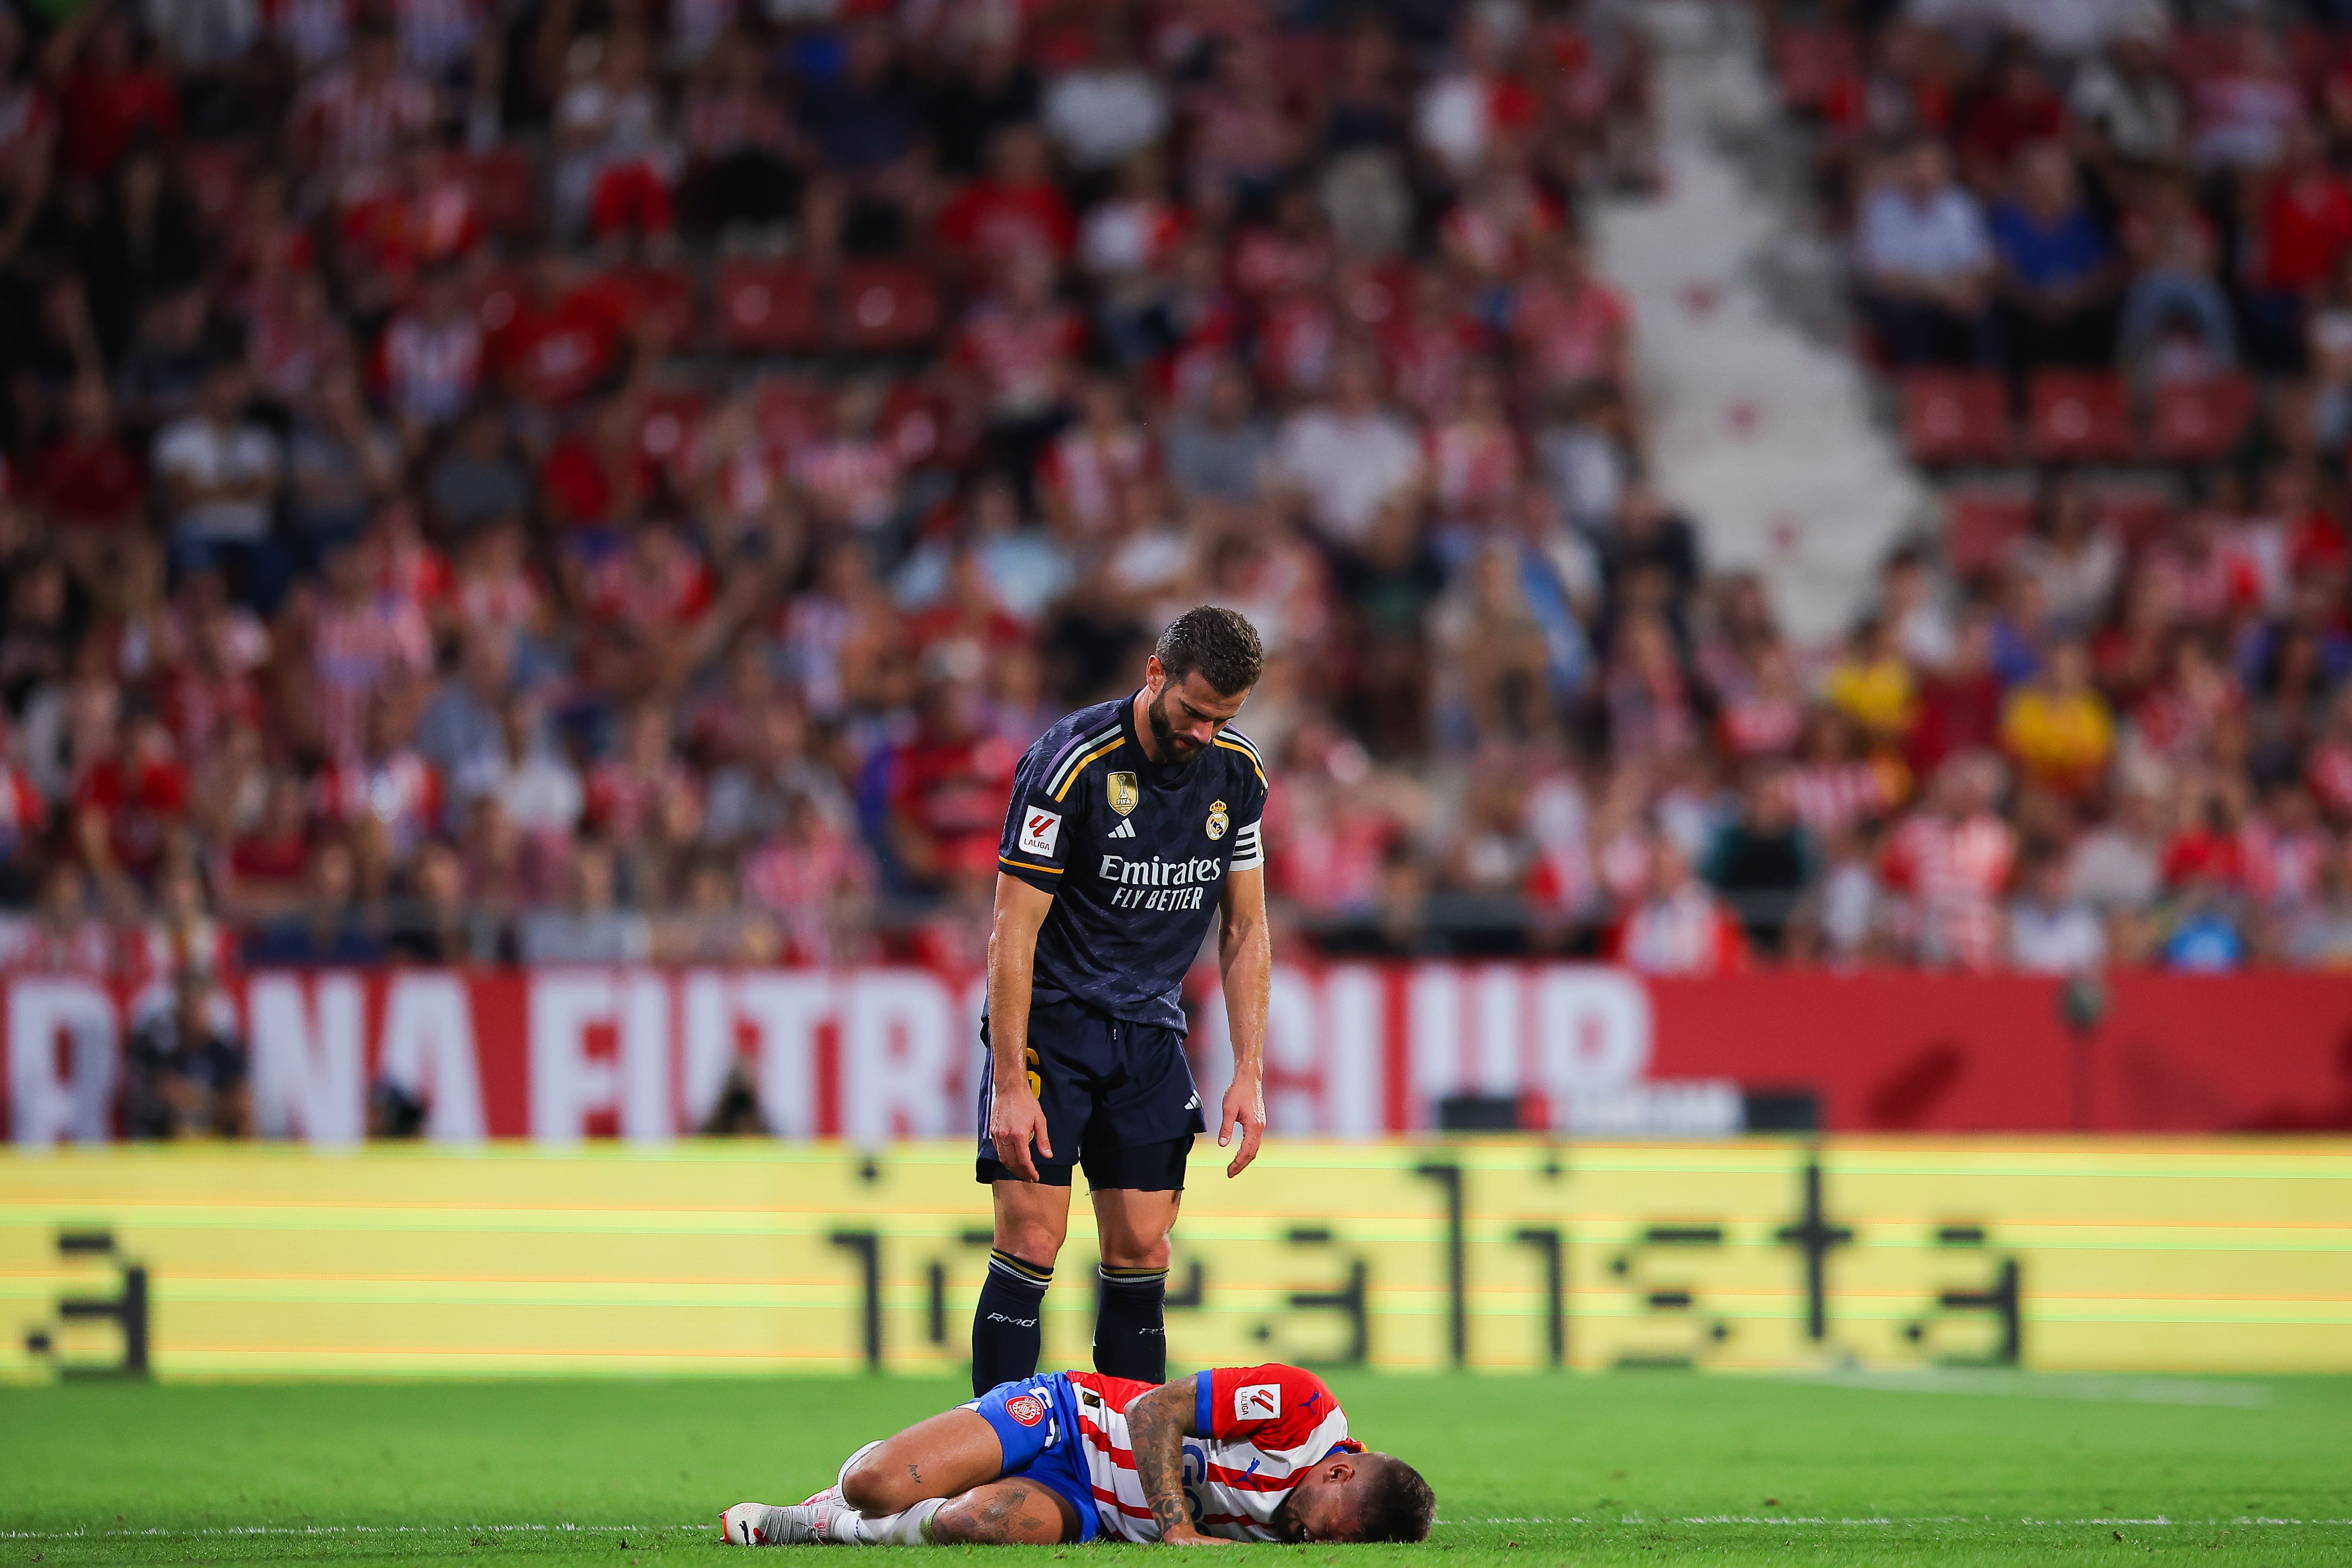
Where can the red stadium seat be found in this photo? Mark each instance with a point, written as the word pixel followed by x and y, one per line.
pixel 889 305
pixel 1979 526
pixel 1953 416
pixel 2198 421
pixel 506 189
pixel 1808 62
pixel 2135 516
pixel 768 307
pixel 661 295
pixel 2077 416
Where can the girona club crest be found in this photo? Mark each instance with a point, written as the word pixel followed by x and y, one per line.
pixel 1125 794
pixel 1025 1408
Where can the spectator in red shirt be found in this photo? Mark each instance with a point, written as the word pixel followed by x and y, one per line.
pixel 2305 223
pixel 130 807
pixel 87 482
pixel 2021 109
pixel 111 96
pixel 949 784
pixel 1015 207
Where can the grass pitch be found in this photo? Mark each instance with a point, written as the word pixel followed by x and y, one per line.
pixel 1598 1469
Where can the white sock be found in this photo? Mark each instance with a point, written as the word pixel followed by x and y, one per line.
pixel 907 1529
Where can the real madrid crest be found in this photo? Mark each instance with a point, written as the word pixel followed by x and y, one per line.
pixel 1125 795
pixel 1218 820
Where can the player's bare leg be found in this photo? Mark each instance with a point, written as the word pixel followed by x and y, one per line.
pixel 941 1456
pixel 1131 1317
pixel 1006 1513
pixel 1008 1325
pixel 891 1493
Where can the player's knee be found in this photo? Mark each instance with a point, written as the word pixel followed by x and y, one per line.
pixel 868 1485
pixel 1030 1241
pixel 1132 1251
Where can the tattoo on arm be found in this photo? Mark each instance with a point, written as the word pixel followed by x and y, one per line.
pixel 916 1471
pixel 1155 1425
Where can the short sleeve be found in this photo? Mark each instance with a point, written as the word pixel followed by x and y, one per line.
pixel 1249 846
pixel 1271 1406
pixel 1035 846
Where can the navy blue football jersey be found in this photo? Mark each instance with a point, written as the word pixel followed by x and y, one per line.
pixel 1135 853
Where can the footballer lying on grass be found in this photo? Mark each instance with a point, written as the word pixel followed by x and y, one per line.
pixel 1253 1453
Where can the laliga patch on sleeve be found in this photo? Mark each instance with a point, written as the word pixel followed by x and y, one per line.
pixel 1258 1402
pixel 1025 1408
pixel 1039 830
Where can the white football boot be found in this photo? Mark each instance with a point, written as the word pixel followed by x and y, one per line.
pixel 822 1520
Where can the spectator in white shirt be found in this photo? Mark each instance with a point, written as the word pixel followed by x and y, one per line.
pixel 1348 456
pixel 1927 263
pixel 2051 929
pixel 1105 111
pixel 220 470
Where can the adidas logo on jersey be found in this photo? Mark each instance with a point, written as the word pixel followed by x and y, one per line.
pixel 1126 828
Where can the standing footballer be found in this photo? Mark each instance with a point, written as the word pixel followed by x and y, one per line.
pixel 1132 823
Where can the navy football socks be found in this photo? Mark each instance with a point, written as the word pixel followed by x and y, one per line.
pixel 1006 1326
pixel 1132 1324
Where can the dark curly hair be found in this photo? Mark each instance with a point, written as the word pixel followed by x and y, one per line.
pixel 1219 643
pixel 1397 1503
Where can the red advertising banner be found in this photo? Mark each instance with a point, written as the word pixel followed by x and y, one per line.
pixel 1353 1050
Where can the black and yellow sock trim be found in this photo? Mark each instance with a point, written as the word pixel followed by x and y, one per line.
pixel 1020 1270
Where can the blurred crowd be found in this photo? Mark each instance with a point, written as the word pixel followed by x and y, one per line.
pixel 553 481
pixel 2105 252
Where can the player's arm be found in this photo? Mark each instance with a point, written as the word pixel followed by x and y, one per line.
pixel 1157 1424
pixel 1246 957
pixel 1014 1117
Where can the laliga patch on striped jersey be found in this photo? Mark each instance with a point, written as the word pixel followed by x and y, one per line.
pixel 1258 1402
pixel 1039 830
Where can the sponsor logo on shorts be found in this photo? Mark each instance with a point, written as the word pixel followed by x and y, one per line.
pixel 1040 830
pixel 1025 1408
pixel 1258 1402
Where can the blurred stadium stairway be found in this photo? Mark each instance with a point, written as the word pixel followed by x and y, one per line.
pixel 1762 427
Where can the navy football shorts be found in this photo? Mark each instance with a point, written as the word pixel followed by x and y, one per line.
pixel 1118 1099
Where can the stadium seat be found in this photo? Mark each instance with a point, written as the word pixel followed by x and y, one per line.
pixel 2198 421
pixel 889 305
pixel 1952 417
pixel 505 189
pixel 1981 525
pixel 2078 416
pixel 2133 515
pixel 664 295
pixel 768 308
pixel 1808 62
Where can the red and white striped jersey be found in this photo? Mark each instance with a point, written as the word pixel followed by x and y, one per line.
pixel 1267 1427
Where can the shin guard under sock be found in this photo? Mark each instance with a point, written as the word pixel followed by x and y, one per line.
pixel 1131 1325
pixel 1006 1326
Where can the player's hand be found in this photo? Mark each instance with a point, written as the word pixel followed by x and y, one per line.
pixel 1245 1105
pixel 1014 1117
pixel 1185 1535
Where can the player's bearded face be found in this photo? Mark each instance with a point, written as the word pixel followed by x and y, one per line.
pixel 1173 744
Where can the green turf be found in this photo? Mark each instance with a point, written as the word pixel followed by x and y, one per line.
pixel 1625 1468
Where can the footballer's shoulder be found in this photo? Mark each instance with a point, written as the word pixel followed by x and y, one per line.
pixel 1244 753
pixel 1064 750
